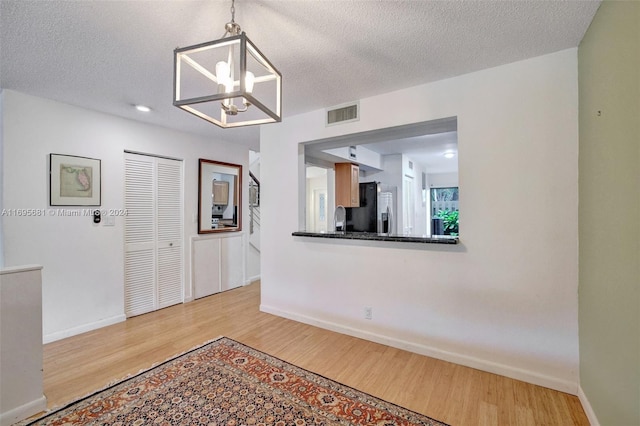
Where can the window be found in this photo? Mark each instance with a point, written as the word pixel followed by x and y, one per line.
pixel 444 211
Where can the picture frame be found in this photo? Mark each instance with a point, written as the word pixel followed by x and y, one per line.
pixel 254 196
pixel 74 181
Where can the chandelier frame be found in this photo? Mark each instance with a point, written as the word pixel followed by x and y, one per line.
pixel 194 104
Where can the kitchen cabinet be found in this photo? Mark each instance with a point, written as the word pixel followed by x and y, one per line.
pixel 347 185
pixel 220 192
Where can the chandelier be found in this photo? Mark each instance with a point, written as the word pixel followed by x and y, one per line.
pixel 227 82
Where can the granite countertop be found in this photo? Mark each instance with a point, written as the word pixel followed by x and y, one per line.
pixel 440 239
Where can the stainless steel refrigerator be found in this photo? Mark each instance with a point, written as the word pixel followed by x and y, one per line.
pixel 376 213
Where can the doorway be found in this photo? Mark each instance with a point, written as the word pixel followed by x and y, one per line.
pixel 317 202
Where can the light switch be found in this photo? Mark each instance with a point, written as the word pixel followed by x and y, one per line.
pixel 109 221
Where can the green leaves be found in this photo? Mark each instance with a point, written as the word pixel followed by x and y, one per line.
pixel 449 221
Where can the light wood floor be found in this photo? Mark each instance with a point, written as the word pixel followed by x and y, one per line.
pixel 451 393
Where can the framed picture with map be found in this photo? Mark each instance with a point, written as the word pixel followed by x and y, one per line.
pixel 74 181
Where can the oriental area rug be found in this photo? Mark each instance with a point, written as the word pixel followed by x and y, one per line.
pixel 227 383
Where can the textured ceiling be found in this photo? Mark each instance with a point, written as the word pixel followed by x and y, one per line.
pixel 108 55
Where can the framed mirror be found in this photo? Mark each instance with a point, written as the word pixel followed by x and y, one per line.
pixel 220 197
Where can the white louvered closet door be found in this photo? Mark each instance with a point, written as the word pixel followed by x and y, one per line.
pixel 153 233
pixel 169 231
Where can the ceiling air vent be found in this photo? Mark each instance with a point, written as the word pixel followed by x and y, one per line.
pixel 343 114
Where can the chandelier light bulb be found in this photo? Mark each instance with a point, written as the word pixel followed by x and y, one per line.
pixel 249 79
pixel 223 74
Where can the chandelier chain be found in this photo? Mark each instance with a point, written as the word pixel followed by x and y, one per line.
pixel 231 28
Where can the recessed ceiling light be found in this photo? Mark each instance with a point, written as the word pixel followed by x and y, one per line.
pixel 143 108
pixel 449 154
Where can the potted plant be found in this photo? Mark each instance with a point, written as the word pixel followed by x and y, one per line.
pixel 450 221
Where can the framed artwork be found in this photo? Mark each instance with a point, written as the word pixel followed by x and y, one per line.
pixel 254 195
pixel 74 181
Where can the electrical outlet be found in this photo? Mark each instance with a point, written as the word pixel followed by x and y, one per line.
pixel 368 312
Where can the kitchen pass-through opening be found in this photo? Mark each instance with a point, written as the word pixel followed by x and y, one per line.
pixel 402 174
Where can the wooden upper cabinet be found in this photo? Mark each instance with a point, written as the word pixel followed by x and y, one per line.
pixel 347 185
pixel 220 192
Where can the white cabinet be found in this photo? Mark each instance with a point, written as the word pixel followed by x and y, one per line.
pixel 231 270
pixel 218 264
pixel 206 267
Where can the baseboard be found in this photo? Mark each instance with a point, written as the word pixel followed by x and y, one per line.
pixel 58 335
pixel 588 409
pixel 252 279
pixel 24 411
pixel 434 352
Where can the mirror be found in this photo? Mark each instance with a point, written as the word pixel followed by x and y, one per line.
pixel 220 197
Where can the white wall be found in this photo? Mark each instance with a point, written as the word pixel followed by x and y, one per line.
pixel 253 247
pixel 442 180
pixel 83 263
pixel 1 179
pixel 505 298
pixel 364 156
